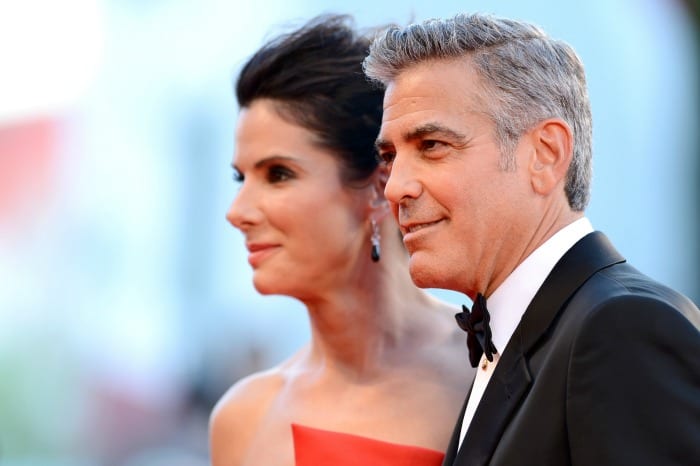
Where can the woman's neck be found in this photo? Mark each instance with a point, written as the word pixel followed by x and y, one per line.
pixel 362 327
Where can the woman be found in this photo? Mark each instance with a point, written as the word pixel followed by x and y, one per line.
pixel 386 367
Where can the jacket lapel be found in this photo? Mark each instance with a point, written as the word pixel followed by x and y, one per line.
pixel 511 379
pixel 509 383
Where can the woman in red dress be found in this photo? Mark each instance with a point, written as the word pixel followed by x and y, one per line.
pixel 385 370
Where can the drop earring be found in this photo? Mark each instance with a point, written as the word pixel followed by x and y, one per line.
pixel 375 241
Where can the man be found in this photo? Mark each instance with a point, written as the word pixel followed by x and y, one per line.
pixel 487 134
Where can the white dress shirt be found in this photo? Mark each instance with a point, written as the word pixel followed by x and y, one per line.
pixel 510 300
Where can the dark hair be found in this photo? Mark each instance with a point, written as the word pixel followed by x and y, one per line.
pixel 315 76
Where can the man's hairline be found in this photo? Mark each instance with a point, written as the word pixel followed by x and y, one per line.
pixel 467 59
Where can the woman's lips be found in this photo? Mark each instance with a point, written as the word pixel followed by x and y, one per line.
pixel 259 252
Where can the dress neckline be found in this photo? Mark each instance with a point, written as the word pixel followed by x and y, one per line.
pixel 314 446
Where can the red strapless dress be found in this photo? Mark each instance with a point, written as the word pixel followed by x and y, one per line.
pixel 316 447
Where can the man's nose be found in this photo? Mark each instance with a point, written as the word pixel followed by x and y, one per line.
pixel 403 182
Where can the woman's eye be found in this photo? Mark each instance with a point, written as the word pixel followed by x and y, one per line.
pixel 238 176
pixel 277 173
pixel 387 157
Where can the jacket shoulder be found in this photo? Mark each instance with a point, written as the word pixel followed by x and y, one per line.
pixel 621 288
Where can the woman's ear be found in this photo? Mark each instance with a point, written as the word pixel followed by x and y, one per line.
pixel 379 206
pixel 382 175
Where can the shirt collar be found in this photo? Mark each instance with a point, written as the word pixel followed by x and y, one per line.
pixel 510 300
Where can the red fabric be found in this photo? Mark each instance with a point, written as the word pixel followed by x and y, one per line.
pixel 315 447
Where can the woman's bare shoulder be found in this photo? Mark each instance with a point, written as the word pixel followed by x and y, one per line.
pixel 249 394
pixel 237 414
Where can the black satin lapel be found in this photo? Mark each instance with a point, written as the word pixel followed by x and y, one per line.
pixel 453 446
pixel 512 379
pixel 508 385
pixel 590 254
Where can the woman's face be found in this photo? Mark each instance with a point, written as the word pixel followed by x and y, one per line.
pixel 303 228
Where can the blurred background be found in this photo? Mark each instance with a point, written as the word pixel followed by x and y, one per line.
pixel 126 304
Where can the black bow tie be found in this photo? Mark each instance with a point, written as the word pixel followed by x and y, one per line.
pixel 476 324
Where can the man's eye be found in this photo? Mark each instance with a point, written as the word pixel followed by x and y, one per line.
pixel 430 144
pixel 277 173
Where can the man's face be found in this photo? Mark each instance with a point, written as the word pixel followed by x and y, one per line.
pixel 460 213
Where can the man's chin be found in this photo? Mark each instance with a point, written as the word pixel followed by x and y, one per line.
pixel 422 274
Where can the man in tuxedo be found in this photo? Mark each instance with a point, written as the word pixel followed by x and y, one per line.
pixel 586 361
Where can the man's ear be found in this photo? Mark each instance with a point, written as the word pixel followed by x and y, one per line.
pixel 553 144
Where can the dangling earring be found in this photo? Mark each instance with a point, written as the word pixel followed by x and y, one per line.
pixel 375 241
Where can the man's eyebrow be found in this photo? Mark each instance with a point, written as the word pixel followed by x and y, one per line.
pixel 421 132
pixel 430 129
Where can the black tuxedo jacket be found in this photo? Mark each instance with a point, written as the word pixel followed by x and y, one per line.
pixel 603 369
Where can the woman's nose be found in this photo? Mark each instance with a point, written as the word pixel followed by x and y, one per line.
pixel 243 211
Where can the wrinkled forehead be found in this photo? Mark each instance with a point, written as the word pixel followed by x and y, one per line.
pixel 432 90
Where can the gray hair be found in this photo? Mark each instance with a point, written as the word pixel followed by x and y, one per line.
pixel 526 77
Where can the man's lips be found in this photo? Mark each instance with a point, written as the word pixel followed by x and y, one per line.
pixel 417 226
